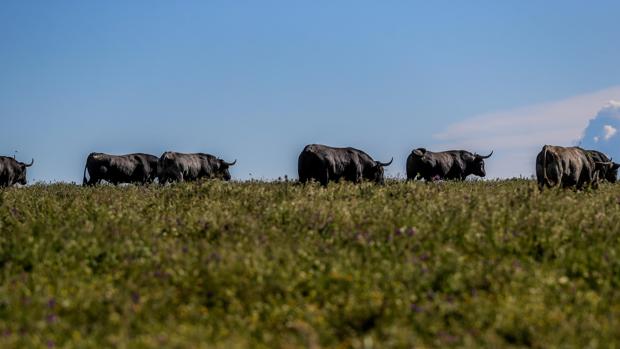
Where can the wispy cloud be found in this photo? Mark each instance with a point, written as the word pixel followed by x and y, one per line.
pixel 516 135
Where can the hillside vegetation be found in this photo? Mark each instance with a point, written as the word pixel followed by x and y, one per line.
pixel 256 264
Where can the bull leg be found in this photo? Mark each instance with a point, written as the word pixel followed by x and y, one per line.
pixel 357 177
pixel 92 181
pixel 324 178
pixel 178 177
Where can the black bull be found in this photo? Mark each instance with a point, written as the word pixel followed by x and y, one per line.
pixel 116 169
pixel 323 164
pixel 609 174
pixel 178 167
pixel 12 171
pixel 450 165
pixel 569 167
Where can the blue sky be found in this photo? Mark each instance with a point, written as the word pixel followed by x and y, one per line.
pixel 256 81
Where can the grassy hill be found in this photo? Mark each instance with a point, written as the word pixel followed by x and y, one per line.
pixel 259 264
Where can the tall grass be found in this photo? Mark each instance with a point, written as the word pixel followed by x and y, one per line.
pixel 257 264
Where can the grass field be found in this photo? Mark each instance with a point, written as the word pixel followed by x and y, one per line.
pixel 271 265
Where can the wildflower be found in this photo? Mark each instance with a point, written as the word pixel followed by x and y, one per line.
pixel 416 308
pixel 51 318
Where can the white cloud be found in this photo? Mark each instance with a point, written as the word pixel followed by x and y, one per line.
pixel 603 129
pixel 613 105
pixel 609 132
pixel 517 135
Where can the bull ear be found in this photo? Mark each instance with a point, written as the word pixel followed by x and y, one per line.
pixel 615 166
pixel 467 156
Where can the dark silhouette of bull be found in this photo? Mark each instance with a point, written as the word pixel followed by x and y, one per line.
pixel 178 167
pixel 449 165
pixel 12 171
pixel 608 174
pixel 323 164
pixel 568 167
pixel 116 169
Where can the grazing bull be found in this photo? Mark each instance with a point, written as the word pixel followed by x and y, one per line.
pixel 611 174
pixel 116 169
pixel 452 164
pixel 12 171
pixel 178 167
pixel 568 167
pixel 324 164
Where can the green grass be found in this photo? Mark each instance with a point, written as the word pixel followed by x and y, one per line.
pixel 271 265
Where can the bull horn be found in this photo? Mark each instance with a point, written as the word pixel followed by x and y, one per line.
pixel 485 157
pixel 30 164
pixel 229 163
pixel 385 163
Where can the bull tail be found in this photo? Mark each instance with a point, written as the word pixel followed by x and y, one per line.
pixel 544 163
pixel 556 181
pixel 84 181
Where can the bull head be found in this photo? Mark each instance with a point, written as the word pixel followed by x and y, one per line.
pixel 607 170
pixel 476 165
pixel 377 173
pixel 21 179
pixel 225 174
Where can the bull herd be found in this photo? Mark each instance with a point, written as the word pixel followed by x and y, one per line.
pixel 555 167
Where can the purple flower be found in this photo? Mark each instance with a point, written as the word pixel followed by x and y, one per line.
pixel 51 318
pixel 51 303
pixel 416 308
pixel 50 343
pixel 135 297
pixel 411 231
pixel 214 256
pixel 447 337
pixel 160 274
